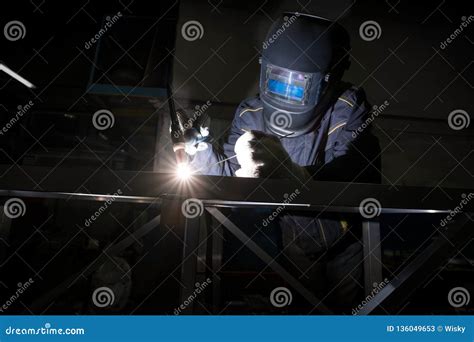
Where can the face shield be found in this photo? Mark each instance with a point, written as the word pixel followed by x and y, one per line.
pixel 286 85
pixel 291 88
pixel 303 57
pixel 289 98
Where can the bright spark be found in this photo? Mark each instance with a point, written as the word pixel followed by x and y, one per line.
pixel 183 171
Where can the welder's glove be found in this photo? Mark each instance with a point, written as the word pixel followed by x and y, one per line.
pixel 194 140
pixel 262 155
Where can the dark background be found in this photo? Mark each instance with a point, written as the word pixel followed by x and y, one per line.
pixel 405 66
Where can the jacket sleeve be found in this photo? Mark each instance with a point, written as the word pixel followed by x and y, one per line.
pixel 217 161
pixel 352 153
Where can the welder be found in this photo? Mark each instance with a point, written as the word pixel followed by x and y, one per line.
pixel 304 124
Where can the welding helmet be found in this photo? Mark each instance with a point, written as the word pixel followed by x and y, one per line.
pixel 303 57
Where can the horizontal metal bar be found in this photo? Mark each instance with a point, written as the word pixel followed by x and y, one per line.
pixel 143 187
pixel 209 203
pixel 327 208
pixel 77 196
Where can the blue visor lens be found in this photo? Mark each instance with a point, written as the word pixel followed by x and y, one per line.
pixel 286 90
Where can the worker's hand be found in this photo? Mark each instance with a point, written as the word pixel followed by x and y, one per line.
pixel 193 140
pixel 262 155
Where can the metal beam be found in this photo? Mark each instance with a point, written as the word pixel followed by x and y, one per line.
pixel 138 187
pixel 65 182
pixel 189 266
pixel 372 255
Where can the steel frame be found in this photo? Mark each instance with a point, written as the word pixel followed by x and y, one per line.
pixel 218 192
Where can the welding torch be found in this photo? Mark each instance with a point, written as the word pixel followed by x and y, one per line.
pixel 184 132
pixel 177 136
